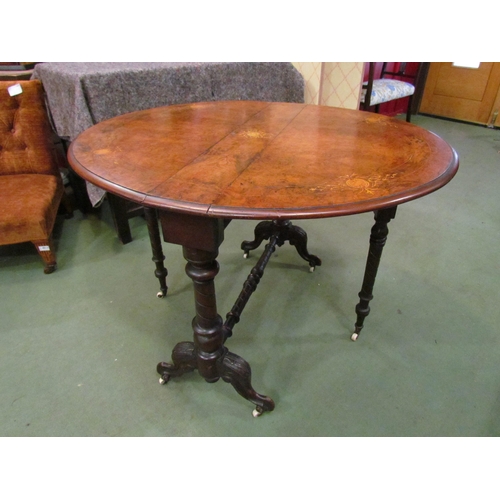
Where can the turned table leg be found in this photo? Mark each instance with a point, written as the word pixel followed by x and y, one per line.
pixel 208 345
pixel 378 238
pixel 161 272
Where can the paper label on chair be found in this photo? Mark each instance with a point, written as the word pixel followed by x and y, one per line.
pixel 15 89
pixel 44 248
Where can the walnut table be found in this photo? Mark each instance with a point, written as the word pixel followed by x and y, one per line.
pixel 200 165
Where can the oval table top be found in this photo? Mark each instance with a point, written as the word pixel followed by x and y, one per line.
pixel 262 160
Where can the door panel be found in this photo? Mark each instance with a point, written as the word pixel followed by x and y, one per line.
pixel 462 93
pixel 464 83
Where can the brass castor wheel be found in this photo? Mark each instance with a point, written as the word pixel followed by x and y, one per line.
pixel 246 254
pixel 160 295
pixel 354 336
pixel 164 379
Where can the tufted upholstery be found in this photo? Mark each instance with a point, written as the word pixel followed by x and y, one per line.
pixel 30 183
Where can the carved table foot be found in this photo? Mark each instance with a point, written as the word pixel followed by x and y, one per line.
pixel 230 367
pixel 236 371
pixel 184 361
pixel 285 231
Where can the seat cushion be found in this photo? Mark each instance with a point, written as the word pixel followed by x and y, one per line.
pixel 28 206
pixel 386 90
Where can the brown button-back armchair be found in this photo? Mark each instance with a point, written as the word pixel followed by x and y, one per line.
pixel 31 187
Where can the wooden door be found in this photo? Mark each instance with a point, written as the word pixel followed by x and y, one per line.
pixel 463 93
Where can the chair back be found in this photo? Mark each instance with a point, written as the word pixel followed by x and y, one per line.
pixel 26 136
pixel 400 72
pixel 392 84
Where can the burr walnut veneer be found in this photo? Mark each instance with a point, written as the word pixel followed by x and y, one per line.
pixel 200 165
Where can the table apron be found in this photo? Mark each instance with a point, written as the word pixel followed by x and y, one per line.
pixel 203 233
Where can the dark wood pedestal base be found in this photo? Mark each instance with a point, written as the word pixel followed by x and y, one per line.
pixel 284 230
pixel 207 353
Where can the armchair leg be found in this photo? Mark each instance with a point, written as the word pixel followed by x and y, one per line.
pixel 44 248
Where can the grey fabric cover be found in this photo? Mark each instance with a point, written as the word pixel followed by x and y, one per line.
pixel 82 94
